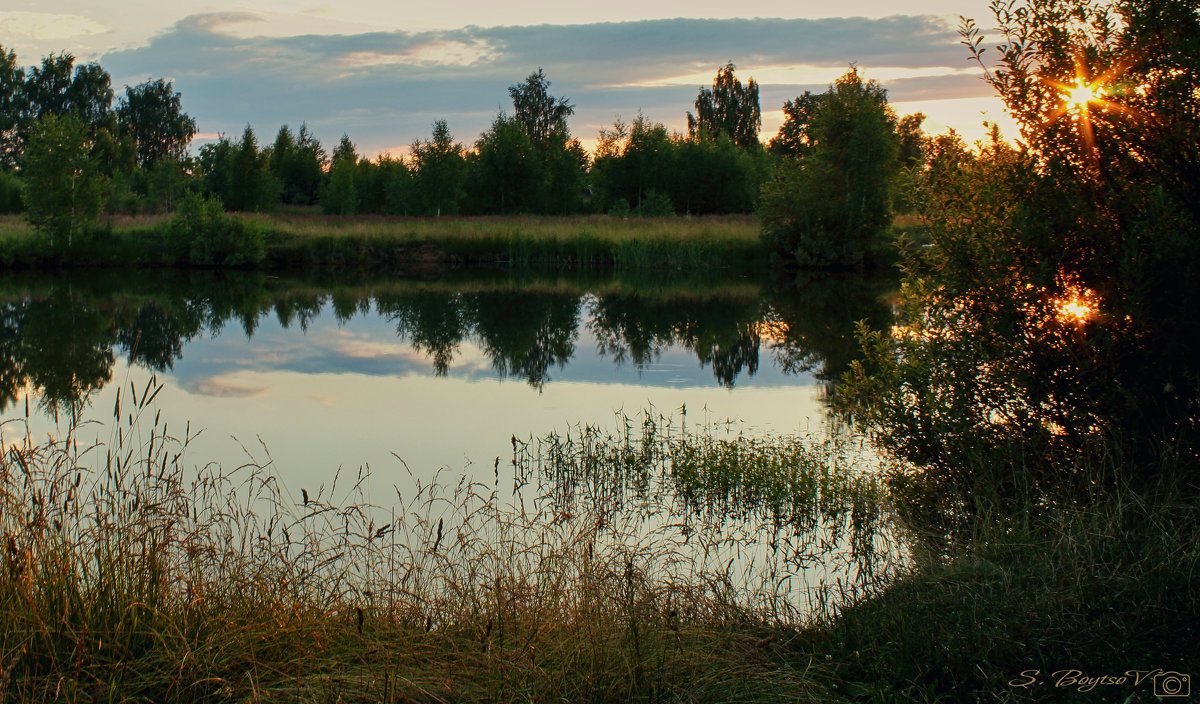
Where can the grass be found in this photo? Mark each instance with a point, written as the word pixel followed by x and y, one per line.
pixel 1097 589
pixel 126 575
pixel 310 240
pixel 587 241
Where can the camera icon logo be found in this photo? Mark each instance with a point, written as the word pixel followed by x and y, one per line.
pixel 1172 684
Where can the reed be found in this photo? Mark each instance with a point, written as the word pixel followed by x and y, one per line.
pixel 582 242
pixel 366 241
pixel 651 561
pixel 129 576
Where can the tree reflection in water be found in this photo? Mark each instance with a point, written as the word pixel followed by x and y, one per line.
pixel 60 337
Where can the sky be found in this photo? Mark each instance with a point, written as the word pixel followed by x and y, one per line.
pixel 383 71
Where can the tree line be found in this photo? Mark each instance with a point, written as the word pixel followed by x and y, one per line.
pixel 825 184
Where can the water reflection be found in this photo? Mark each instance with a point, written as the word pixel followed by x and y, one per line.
pixel 719 329
pixel 60 337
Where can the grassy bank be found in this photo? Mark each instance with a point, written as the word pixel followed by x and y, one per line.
pixel 126 577
pixel 1034 609
pixel 319 241
pixel 600 240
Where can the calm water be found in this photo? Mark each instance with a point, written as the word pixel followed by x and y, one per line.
pixel 333 373
pixel 422 381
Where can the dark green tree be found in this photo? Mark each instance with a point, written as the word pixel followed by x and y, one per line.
pixel 152 114
pixel 716 176
pixel 55 87
pixel 47 85
pixel 506 169
pixel 440 168
pixel 912 140
pixel 828 208
pixel 10 192
pixel 307 173
pixel 13 106
pixel 561 162
pixel 794 137
pixel 202 234
pixel 166 183
pixel 52 88
pixel 604 175
pixel 90 95
pixel 914 146
pixel 539 114
pixel 298 164
pixel 251 186
pixel 564 165
pixel 369 186
pixel 1052 322
pixel 728 108
pixel 64 189
pixel 396 186
pixel 215 167
pixel 238 173
pixel 340 196
pixel 131 185
pixel 647 165
pixel 282 156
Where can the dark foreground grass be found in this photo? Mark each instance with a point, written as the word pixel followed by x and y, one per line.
pixel 340 242
pixel 1038 604
pixel 125 577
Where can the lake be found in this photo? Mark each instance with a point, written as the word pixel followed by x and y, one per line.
pixel 455 375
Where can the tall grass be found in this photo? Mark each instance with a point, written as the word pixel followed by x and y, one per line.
pixel 128 576
pixel 581 241
pixel 649 562
pixel 815 499
pixel 335 242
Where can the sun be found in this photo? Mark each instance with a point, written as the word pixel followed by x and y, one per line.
pixel 1078 307
pixel 1082 94
pixel 1075 311
pixel 1086 102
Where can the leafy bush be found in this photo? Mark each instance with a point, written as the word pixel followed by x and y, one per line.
pixel 65 190
pixel 10 193
pixel 827 208
pixel 203 234
pixel 620 209
pixel 656 204
pixel 1052 320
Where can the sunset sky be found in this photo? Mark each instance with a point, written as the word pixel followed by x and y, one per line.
pixel 382 72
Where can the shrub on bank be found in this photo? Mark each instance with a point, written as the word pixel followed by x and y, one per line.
pixel 203 234
pixel 10 193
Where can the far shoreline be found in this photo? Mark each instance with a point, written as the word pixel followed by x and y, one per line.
pixel 298 240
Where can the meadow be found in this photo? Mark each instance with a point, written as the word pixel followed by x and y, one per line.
pixel 320 241
pixel 306 241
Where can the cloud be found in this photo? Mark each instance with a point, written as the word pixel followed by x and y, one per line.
pixel 222 387
pixel 439 52
pixel 808 74
pixel 385 88
pixel 375 349
pixel 46 25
